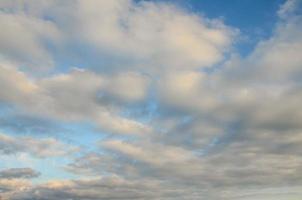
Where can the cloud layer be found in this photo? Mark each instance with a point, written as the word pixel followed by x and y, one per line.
pixel 179 113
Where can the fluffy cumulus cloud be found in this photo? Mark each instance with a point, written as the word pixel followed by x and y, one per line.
pixel 176 111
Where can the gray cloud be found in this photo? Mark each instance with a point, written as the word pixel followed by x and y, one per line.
pixel 103 188
pixel 44 147
pixel 23 173
pixel 23 124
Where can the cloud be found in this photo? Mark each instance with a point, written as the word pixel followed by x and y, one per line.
pixel 9 185
pixel 214 134
pixel 243 124
pixel 16 85
pixel 155 33
pixel 127 87
pixel 147 154
pixel 136 35
pixel 199 42
pixel 28 48
pixel 22 173
pixel 46 147
pixel 20 123
pixel 287 8
pixel 105 188
pixel 77 95
pixel 187 91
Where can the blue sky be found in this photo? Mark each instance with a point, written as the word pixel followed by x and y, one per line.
pixel 157 99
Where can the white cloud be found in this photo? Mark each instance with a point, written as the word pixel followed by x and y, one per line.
pixel 150 153
pixel 145 35
pixel 16 86
pixel 27 49
pixel 155 33
pixel 189 91
pixel 121 125
pixel 128 87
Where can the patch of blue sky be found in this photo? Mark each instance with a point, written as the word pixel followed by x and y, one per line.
pixel 83 134
pixel 53 168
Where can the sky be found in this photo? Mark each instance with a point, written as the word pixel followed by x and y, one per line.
pixel 150 100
